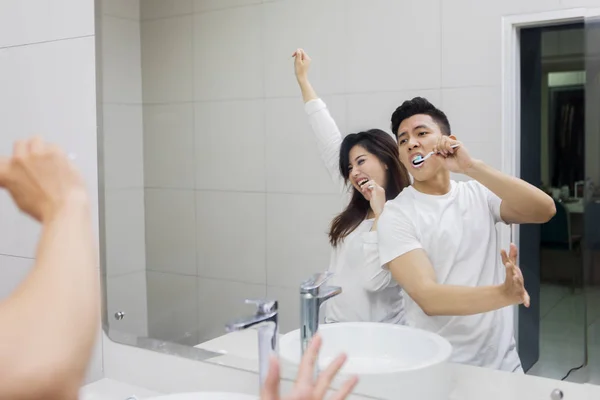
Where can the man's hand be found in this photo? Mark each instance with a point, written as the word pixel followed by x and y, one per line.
pixel 301 64
pixel 514 285
pixel 305 388
pixel 457 159
pixel 40 179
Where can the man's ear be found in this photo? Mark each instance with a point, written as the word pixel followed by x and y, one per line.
pixel 452 137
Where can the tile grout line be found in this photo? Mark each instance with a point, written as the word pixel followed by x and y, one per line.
pixel 45 42
pixel 131 19
pixel 441 46
pixel 208 278
pixel 195 173
pixel 196 193
pixel 265 146
pixel 323 94
pixel 16 256
pixel 194 13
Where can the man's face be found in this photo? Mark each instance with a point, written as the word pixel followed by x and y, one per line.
pixel 418 135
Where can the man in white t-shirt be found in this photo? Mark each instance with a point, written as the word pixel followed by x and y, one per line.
pixel 439 241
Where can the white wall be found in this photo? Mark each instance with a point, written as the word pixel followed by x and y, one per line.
pixel 122 140
pixel 169 172
pixel 237 203
pixel 47 76
pixel 226 139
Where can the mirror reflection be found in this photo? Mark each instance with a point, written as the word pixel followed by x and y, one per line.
pixel 377 203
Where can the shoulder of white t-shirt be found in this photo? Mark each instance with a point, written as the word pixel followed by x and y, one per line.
pixel 406 195
pixel 400 205
pixel 471 185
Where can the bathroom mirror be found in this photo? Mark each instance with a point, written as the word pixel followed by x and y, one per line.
pixel 213 190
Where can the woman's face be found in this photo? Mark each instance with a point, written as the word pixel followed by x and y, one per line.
pixel 365 166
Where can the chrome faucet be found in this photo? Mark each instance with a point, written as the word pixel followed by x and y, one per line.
pixel 266 320
pixel 312 295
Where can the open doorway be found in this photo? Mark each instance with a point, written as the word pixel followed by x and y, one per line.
pixel 552 94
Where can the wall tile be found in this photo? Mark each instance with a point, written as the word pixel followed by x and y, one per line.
pixel 173 307
pixel 231 67
pixel 220 302
pixel 160 8
pixel 46 21
pixel 382 54
pixel 231 235
pixel 230 156
pixel 125 231
pixel 285 30
pixel 169 146
pixel 297 242
pixel 121 61
pixel 170 231
pixel 167 57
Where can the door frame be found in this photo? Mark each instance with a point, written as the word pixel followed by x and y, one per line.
pixel 511 97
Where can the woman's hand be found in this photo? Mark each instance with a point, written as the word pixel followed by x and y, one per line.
pixel 301 64
pixel 375 194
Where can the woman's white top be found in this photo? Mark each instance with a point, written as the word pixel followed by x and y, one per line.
pixel 369 293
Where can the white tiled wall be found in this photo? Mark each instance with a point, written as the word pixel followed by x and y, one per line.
pixel 392 46
pixel 47 76
pixel 169 131
pixel 153 9
pixel 123 166
pixel 224 122
pixel 173 307
pixel 167 57
pixel 127 293
pixel 129 9
pixel 171 231
pixel 28 22
pixel 286 27
pixel 242 166
pixel 231 235
pixel 228 68
pixel 223 300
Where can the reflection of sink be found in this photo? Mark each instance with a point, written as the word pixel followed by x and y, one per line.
pixel 392 361
pixel 205 396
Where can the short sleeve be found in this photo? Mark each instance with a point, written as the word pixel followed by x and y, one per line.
pixel 494 202
pixel 397 234
pixel 375 276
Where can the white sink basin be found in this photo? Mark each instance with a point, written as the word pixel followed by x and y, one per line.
pixel 205 396
pixel 392 361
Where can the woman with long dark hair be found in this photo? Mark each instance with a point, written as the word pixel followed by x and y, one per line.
pixel 367 161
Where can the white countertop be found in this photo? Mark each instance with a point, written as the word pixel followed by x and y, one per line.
pixel 110 389
pixel 474 384
pixel 132 371
pixel 240 350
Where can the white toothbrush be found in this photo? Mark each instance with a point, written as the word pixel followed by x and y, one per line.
pixel 419 161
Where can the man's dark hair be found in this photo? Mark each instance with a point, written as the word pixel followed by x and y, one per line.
pixel 419 105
